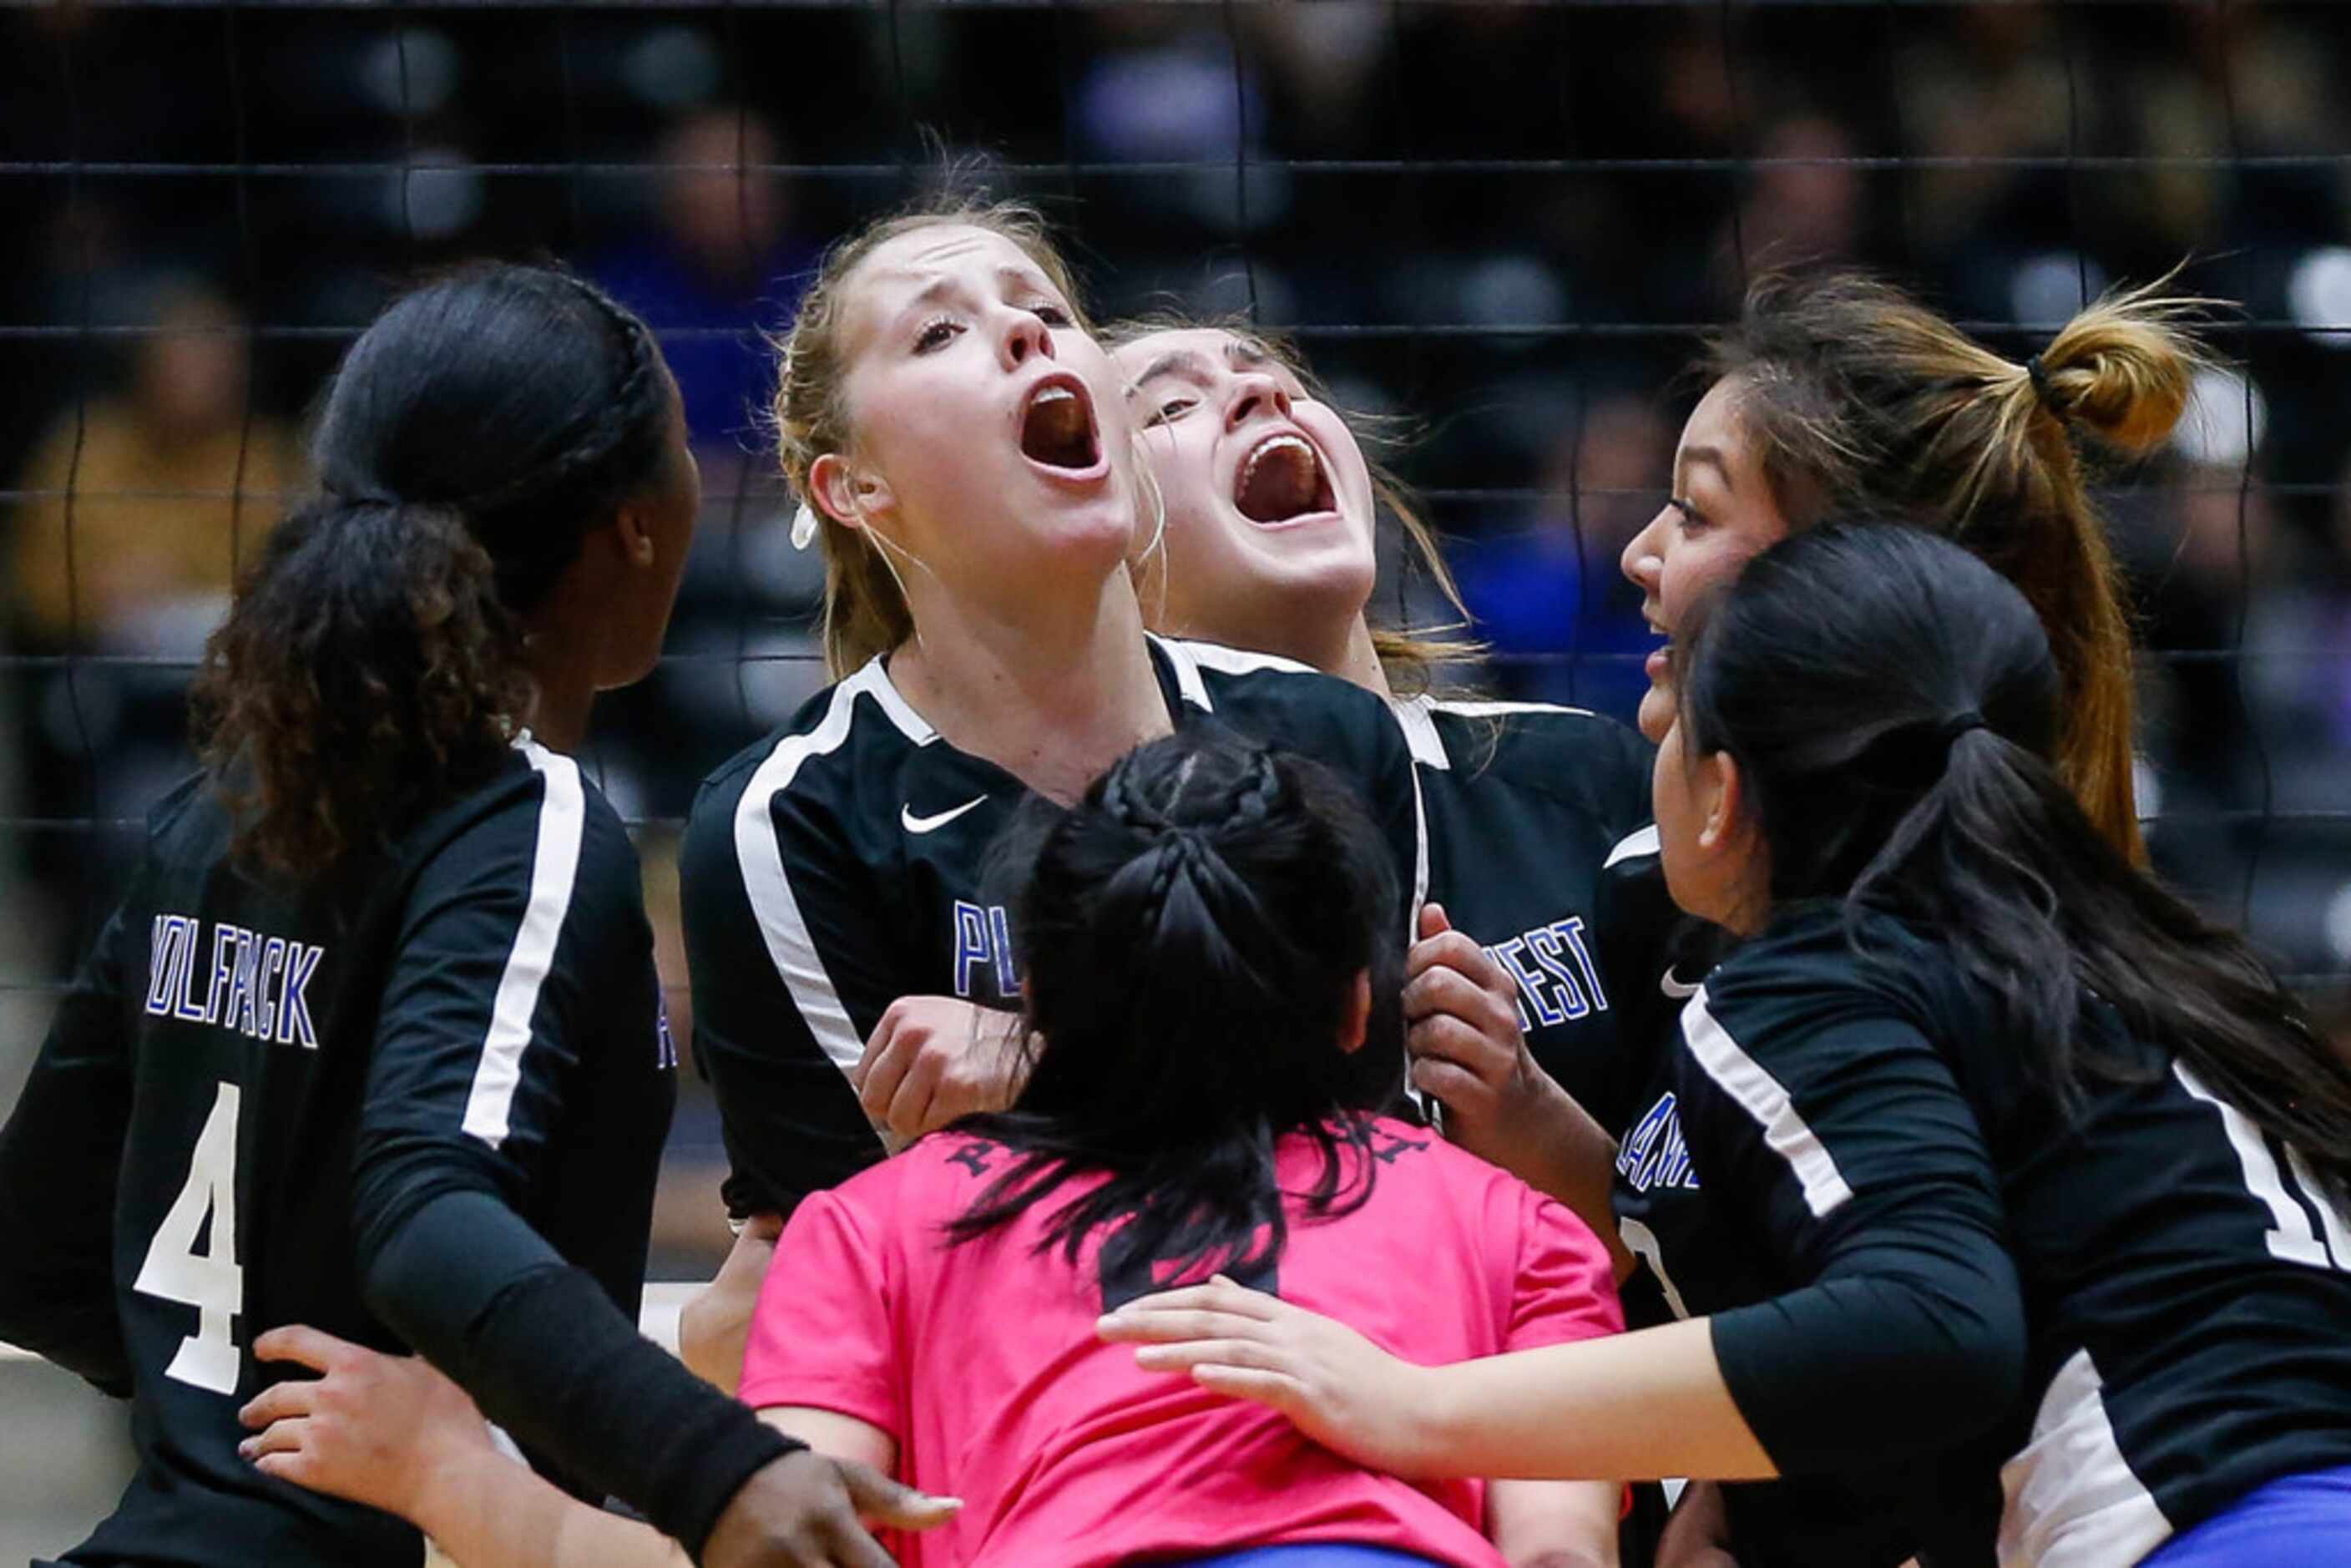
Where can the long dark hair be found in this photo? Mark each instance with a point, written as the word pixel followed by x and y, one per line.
pixel 372 664
pixel 1892 706
pixel 1193 930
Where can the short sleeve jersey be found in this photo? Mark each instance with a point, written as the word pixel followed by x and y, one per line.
pixel 2186 1281
pixel 1525 803
pixel 182 1163
pixel 980 1359
pixel 843 863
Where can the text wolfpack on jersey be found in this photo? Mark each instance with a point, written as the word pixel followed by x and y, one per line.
pixel 256 983
pixel 1653 1154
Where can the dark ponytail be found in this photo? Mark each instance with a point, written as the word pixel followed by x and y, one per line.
pixel 1893 708
pixel 373 665
pixel 1192 933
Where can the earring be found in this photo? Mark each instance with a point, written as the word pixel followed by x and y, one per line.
pixel 803 527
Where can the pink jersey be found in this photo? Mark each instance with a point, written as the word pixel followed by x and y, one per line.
pixel 981 1359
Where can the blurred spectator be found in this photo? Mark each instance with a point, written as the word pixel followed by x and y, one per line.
pixel 163 490
pixel 1564 625
pixel 1805 209
pixel 723 264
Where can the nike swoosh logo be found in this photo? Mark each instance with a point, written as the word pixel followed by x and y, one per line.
pixel 915 824
pixel 1674 989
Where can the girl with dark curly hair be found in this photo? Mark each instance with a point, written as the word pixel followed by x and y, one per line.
pixel 374 1041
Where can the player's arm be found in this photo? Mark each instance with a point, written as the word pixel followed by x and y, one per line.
pixel 1561 1287
pixel 1554 1525
pixel 1872 1182
pixel 1868 1175
pixel 793 963
pixel 392 1432
pixel 716 1320
pixel 61 1159
pixel 491 1006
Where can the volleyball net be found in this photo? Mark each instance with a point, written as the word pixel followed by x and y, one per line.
pixel 1502 226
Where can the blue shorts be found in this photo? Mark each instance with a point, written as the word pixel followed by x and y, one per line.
pixel 2295 1519
pixel 1312 1555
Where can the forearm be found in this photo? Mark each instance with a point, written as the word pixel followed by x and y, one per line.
pixel 1554 1525
pixel 1634 1407
pixel 497 1515
pixel 1575 1163
pixel 716 1324
pixel 549 1357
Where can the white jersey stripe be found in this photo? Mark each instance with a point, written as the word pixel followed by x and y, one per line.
pixel 1420 734
pixel 554 867
pixel 2069 1497
pixel 1500 709
pixel 769 888
pixel 1763 1097
pixel 1632 845
pixel 1188 683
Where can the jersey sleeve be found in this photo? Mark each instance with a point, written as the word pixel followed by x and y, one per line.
pixel 793 960
pixel 1565 1287
pixel 822 1335
pixel 519 937
pixel 1851 1148
pixel 61 1162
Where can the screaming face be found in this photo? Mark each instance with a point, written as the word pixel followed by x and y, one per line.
pixel 1269 508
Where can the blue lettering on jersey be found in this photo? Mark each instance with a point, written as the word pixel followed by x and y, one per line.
pixel 983 935
pixel 1556 978
pixel 258 984
pixel 1654 1155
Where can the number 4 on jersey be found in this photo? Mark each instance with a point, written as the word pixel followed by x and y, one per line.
pixel 209 1280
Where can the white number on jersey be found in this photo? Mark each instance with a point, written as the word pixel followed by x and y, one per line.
pixel 2291 1236
pixel 209 1280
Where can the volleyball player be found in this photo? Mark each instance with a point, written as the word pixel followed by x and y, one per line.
pixel 373 1042
pixel 1836 391
pixel 945 413
pixel 1271 518
pixel 1976 1111
pixel 1212 950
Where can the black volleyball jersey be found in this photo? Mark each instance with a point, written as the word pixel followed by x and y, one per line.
pixel 841 864
pixel 1831 1127
pixel 480 1005
pixel 1526 802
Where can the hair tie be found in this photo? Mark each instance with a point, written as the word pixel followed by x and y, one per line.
pixel 803 527
pixel 2041 388
pixel 1912 756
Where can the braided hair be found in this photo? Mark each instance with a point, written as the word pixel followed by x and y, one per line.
pixel 1196 930
pixel 372 667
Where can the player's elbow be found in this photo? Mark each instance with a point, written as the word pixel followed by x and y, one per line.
pixel 1968 1360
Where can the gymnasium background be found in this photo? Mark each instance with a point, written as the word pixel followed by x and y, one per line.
pixel 1499 226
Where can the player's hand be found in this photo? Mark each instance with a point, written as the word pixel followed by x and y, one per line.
pixel 1697 1533
pixel 1461 1021
pixel 375 1429
pixel 803 1512
pixel 1335 1386
pixel 933 1059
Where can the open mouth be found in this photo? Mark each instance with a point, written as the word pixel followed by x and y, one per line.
pixel 1283 478
pixel 1057 427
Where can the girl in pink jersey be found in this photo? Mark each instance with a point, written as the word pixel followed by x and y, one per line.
pixel 1211 997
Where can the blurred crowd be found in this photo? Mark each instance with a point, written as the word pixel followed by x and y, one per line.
pixel 1497 229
